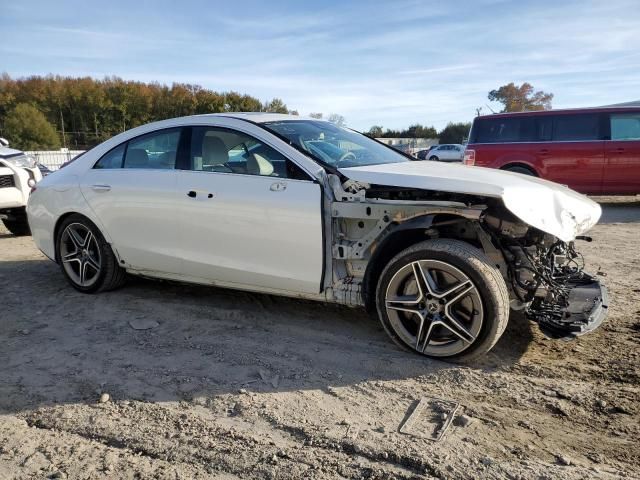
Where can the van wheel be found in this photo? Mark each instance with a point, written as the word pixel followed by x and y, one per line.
pixel 86 259
pixel 443 298
pixel 522 170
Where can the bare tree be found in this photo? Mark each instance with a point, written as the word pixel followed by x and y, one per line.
pixel 337 119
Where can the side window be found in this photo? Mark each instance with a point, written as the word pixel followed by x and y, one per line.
pixel 497 130
pixel 625 126
pixel 576 127
pixel 228 151
pixel 112 159
pixel 543 125
pixel 155 150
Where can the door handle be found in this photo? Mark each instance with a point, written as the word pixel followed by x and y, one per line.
pixel 619 150
pixel 544 151
pixel 101 188
pixel 192 194
pixel 278 186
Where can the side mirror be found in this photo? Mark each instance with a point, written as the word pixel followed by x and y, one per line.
pixel 4 142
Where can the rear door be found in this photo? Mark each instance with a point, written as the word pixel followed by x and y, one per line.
pixel 132 190
pixel 575 156
pixel 249 217
pixel 622 171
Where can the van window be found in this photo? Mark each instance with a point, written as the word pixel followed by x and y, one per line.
pixel 625 126
pixel 511 129
pixel 576 127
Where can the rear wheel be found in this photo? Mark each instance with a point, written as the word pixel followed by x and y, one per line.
pixel 522 170
pixel 86 259
pixel 443 298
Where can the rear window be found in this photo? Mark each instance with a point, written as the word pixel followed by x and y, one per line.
pixel 625 126
pixel 576 127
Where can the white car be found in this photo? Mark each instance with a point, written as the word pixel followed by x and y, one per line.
pixel 446 153
pixel 300 207
pixel 18 174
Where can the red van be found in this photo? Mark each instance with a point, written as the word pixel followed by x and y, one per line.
pixel 593 150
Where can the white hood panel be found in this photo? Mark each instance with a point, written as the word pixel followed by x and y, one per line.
pixel 547 206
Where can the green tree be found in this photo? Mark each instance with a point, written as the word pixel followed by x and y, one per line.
pixel 454 133
pixel 521 98
pixel 275 106
pixel 419 131
pixel 414 131
pixel 375 131
pixel 28 129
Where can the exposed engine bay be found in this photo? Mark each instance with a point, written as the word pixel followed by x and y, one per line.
pixel 547 279
pixel 545 275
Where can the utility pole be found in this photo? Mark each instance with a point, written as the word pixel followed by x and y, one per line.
pixel 64 138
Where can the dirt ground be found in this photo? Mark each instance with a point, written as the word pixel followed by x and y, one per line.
pixel 224 384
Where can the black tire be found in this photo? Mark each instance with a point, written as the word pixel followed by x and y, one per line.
pixel 19 227
pixel 489 288
pixel 110 275
pixel 433 158
pixel 521 170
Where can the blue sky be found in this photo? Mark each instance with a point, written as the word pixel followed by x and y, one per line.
pixel 386 63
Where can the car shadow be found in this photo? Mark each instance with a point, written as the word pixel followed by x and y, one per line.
pixel 620 210
pixel 160 341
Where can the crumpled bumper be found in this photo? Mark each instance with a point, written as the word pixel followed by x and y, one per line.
pixel 586 309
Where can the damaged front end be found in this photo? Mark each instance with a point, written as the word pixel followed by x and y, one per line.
pixel 544 273
pixel 547 278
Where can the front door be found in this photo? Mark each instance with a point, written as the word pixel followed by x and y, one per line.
pixel 622 172
pixel 248 216
pixel 132 190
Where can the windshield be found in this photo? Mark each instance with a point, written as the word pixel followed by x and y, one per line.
pixel 333 145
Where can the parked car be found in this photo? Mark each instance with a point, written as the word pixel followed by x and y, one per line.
pixel 18 174
pixel 594 150
pixel 446 153
pixel 300 207
pixel 424 154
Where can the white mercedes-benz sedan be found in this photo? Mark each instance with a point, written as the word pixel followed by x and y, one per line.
pixel 300 207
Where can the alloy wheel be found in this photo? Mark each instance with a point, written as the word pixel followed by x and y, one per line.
pixel 434 307
pixel 80 254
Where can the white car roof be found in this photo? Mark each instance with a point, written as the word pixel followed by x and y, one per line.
pixel 260 117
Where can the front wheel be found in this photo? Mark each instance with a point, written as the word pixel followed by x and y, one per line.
pixel 86 259
pixel 443 298
pixel 433 158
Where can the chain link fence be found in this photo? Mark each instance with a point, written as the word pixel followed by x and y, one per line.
pixel 53 159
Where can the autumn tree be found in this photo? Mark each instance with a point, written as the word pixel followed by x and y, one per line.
pixel 89 111
pixel 454 133
pixel 521 98
pixel 28 129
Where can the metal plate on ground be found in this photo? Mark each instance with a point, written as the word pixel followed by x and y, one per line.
pixel 430 418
